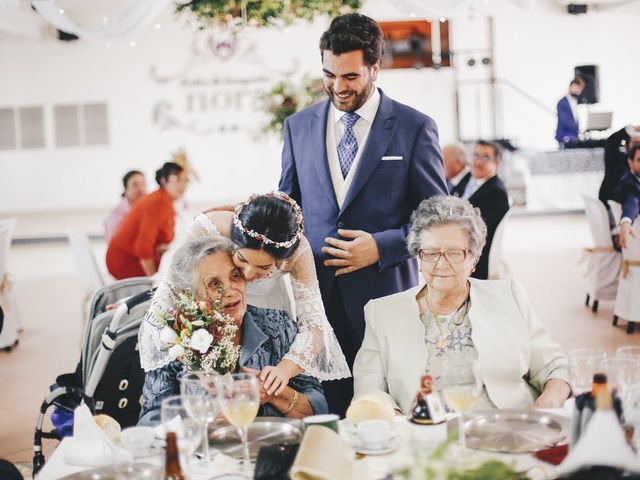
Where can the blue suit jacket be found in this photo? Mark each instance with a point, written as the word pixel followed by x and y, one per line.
pixel 627 192
pixel 567 125
pixel 380 200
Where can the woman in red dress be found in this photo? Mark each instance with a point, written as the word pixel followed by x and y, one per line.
pixel 136 247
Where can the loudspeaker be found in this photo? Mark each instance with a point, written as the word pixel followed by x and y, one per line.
pixel 591 92
pixel 66 37
pixel 576 8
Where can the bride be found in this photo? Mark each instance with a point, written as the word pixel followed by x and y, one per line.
pixel 268 233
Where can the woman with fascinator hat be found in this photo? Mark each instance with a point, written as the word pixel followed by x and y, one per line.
pixel 269 236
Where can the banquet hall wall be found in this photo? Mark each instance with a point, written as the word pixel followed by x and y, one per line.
pixel 534 48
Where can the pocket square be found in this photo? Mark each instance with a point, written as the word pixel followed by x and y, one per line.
pixel 391 157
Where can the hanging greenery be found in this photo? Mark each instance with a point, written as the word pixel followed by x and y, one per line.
pixel 260 13
pixel 286 98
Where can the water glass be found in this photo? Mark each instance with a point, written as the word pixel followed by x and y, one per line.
pixel 239 395
pixel 583 364
pixel 200 398
pixel 174 418
pixel 628 352
pixel 621 372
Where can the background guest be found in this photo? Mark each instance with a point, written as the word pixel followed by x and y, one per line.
pixel 484 189
pixel 628 194
pixel 567 108
pixel 136 248
pixel 456 164
pixel 135 187
pixel 381 159
pixel 455 319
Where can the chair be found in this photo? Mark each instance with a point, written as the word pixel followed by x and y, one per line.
pixel 604 262
pixel 616 210
pixel 627 304
pixel 90 275
pixel 497 267
pixel 11 324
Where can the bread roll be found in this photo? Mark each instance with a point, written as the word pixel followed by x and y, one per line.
pixel 109 426
pixel 369 407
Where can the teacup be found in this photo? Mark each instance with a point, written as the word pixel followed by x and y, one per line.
pixel 374 434
pixel 137 440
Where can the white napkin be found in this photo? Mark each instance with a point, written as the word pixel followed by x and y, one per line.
pixel 602 443
pixel 90 445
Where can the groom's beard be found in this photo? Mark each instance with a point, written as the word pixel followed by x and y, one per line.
pixel 356 98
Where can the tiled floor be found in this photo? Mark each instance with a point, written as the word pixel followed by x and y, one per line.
pixel 542 252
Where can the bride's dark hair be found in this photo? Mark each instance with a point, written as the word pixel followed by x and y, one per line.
pixel 271 217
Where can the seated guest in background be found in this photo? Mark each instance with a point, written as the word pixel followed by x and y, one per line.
pixel 455 318
pixel 628 194
pixel 456 165
pixel 567 129
pixel 136 247
pixel 484 189
pixel 135 187
pixel 265 335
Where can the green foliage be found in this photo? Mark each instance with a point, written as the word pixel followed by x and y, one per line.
pixel 284 99
pixel 260 13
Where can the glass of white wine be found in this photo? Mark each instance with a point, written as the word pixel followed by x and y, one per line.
pixel 239 395
pixel 200 399
pixel 461 386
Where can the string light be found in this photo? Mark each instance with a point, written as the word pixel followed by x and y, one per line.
pixel 61 11
pixel 107 44
pixel 412 14
pixel 132 43
pixel 158 26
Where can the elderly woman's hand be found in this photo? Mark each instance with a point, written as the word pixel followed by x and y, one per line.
pixel 555 393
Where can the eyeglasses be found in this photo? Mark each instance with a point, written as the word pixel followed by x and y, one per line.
pixel 484 158
pixel 452 256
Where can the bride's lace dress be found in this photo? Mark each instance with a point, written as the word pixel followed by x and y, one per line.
pixel 315 348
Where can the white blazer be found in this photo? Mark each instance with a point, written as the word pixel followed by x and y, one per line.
pixel 515 352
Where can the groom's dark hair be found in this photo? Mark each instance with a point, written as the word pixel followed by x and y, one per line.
pixel 354 32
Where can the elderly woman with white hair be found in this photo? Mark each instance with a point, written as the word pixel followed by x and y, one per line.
pixel 456 319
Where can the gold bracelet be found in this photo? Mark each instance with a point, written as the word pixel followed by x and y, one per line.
pixel 292 404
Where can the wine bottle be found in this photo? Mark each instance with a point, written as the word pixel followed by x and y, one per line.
pixel 172 469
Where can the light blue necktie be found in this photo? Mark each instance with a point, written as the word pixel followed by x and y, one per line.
pixel 348 146
pixel 470 188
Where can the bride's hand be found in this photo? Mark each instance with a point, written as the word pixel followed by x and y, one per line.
pixel 276 379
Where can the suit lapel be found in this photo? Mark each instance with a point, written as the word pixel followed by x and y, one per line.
pixel 318 146
pixel 382 131
pixel 483 188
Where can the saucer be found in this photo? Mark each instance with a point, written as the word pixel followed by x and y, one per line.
pixel 392 447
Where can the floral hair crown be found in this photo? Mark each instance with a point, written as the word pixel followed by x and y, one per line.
pixel 259 236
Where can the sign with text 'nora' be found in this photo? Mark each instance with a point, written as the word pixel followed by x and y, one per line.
pixel 216 88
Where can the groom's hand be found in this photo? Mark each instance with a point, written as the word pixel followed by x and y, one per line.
pixel 360 251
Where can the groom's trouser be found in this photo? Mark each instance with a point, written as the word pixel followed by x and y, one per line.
pixel 340 392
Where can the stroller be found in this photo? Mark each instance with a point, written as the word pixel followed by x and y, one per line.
pixel 108 378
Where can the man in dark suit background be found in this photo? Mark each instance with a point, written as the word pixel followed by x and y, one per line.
pixel 359 163
pixel 484 189
pixel 567 129
pixel 627 192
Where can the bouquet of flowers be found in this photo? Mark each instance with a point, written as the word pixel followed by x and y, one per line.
pixel 200 334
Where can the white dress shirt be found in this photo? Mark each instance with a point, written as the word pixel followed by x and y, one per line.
pixel 456 179
pixel 473 185
pixel 573 103
pixel 335 131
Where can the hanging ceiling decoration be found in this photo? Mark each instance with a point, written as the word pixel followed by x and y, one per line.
pixel 131 16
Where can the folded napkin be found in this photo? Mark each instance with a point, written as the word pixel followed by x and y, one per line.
pixel 603 443
pixel 91 447
pixel 323 455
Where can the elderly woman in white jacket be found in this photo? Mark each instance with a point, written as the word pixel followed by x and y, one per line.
pixel 455 318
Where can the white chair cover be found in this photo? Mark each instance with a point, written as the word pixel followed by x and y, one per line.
pixel 11 323
pixel 628 298
pixel 604 261
pixel 497 267
pixel 616 210
pixel 90 275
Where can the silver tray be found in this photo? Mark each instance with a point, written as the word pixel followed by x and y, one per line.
pixel 514 431
pixel 263 431
pixel 136 471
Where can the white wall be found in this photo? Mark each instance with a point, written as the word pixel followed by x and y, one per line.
pixel 536 49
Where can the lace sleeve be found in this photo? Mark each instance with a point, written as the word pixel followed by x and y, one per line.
pixel 152 356
pixel 315 348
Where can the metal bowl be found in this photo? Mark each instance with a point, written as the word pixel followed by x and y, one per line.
pixel 262 431
pixel 137 471
pixel 514 431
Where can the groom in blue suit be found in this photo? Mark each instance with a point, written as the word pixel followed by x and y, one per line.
pixel 359 163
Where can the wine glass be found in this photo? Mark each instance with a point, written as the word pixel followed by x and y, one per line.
pixel 461 386
pixel 621 372
pixel 174 418
pixel 240 398
pixel 628 352
pixel 200 398
pixel 583 364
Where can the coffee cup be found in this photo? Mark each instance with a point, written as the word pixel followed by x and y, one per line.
pixel 328 420
pixel 137 440
pixel 374 434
